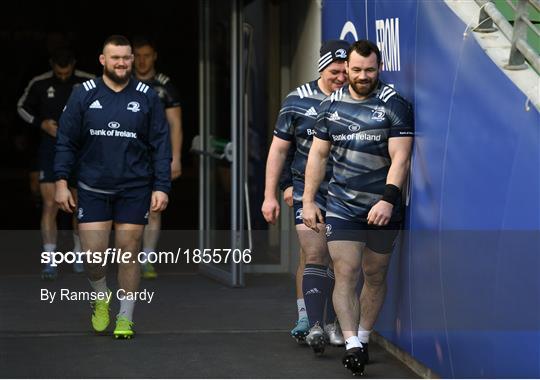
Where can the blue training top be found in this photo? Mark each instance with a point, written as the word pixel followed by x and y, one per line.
pixel 296 123
pixel 359 131
pixel 120 139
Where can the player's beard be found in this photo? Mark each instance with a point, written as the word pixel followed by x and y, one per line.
pixel 115 78
pixel 365 90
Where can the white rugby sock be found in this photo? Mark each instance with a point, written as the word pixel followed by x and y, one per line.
pixel 49 247
pixel 99 286
pixel 363 334
pixel 126 309
pixel 144 254
pixel 352 342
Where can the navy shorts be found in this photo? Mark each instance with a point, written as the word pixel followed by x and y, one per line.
pixel 378 239
pixel 298 212
pixel 126 206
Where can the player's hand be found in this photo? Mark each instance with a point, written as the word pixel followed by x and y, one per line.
pixel 311 215
pixel 380 213
pixel 270 210
pixel 50 127
pixel 159 201
pixel 63 197
pixel 176 168
pixel 288 196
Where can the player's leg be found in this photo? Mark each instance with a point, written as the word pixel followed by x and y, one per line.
pixel 346 256
pixel 48 226
pixel 346 242
pixel 150 240
pixel 314 282
pixel 301 329
pixel 131 208
pixel 128 239
pixel 94 218
pixel 95 238
pixel 33 178
pixel 332 327
pixel 375 261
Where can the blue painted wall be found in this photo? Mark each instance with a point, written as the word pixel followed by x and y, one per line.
pixel 464 284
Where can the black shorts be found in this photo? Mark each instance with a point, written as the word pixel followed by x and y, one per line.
pixel 126 206
pixel 378 239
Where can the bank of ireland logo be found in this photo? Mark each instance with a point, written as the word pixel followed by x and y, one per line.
pixel 133 107
pixel 329 230
pixel 299 214
pixel 340 53
pixel 80 213
pixel 114 125
pixel 354 127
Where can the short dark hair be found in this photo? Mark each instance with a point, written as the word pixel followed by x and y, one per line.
pixel 62 57
pixel 117 40
pixel 364 48
pixel 140 41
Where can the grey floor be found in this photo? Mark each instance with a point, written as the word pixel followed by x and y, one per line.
pixel 194 328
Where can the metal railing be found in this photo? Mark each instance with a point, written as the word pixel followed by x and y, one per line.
pixel 520 50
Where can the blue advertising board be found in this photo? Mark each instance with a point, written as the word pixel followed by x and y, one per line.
pixel 464 283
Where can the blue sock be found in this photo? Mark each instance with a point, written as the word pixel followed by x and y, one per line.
pixel 314 288
pixel 330 282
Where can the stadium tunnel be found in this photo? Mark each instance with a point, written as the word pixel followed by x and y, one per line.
pixel 233 62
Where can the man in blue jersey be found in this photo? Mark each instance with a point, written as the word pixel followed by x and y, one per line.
pixel 41 106
pixel 115 126
pixel 295 124
pixel 146 55
pixel 367 130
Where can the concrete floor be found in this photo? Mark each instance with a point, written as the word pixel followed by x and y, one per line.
pixel 194 328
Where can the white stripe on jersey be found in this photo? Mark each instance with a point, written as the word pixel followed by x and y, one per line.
pixel 162 78
pixel 142 87
pixel 337 95
pixel 84 74
pixel 386 93
pixel 89 84
pixel 389 96
pixel 300 93
pixel 22 112
pixel 25 115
